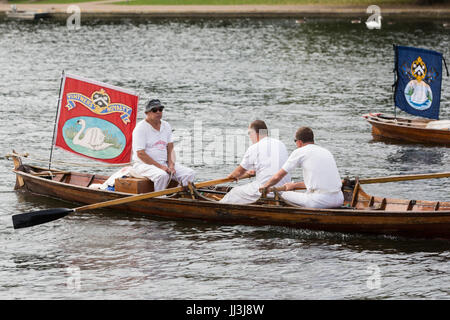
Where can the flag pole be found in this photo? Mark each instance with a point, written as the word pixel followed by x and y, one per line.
pixel 394 86
pixel 56 119
pixel 445 64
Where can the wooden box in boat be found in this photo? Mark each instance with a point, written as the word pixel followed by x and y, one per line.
pixel 137 185
pixel 133 185
pixel 406 130
pixel 361 213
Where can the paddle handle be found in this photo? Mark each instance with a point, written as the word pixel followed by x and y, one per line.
pixel 153 194
pixel 283 189
pixel 407 177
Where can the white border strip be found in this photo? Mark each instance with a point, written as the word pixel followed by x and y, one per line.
pixel 59 107
pixel 102 84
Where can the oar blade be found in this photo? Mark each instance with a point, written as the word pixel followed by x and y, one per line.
pixel 29 219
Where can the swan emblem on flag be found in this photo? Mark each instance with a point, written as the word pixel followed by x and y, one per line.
pixel 93 138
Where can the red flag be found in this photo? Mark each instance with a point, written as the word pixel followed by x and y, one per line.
pixel 96 120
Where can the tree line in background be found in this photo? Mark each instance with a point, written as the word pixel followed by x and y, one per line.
pixel 432 1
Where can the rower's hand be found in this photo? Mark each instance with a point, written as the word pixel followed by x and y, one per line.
pixel 171 170
pixel 165 168
pixel 288 186
pixel 251 173
pixel 263 189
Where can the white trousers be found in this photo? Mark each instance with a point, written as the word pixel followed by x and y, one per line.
pixel 314 199
pixel 247 193
pixel 161 178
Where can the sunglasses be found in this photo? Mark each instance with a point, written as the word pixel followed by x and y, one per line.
pixel 157 109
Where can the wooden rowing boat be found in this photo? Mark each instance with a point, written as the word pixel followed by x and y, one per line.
pixel 424 131
pixel 418 75
pixel 361 212
pixel 26 15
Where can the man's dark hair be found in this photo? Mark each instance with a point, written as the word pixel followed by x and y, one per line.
pixel 305 134
pixel 259 125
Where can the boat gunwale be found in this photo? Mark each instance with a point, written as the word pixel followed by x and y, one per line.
pixel 376 120
pixel 268 208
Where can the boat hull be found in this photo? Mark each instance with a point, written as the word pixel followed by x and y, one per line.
pixel 406 130
pixel 416 224
pixel 26 15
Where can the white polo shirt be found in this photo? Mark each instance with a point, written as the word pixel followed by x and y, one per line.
pixel 320 173
pixel 154 142
pixel 266 157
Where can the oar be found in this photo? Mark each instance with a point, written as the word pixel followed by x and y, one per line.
pixel 405 177
pixel 33 218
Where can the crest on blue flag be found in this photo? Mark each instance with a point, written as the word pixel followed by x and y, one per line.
pixel 418 85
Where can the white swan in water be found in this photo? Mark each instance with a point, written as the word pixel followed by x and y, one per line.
pixel 93 139
pixel 374 24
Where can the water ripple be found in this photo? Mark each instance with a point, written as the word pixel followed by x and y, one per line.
pixel 224 73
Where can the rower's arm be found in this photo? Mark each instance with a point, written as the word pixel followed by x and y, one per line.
pixel 275 179
pixel 170 160
pixel 147 159
pixel 294 185
pixel 237 173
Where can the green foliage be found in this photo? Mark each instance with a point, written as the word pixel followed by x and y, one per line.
pixel 47 1
pixel 430 2
pixel 71 132
pixel 236 2
pixel 109 138
pixel 259 2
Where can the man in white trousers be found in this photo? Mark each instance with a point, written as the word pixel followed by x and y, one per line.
pixel 265 157
pixel 153 147
pixel 320 174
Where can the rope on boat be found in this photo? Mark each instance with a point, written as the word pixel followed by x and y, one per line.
pixel 26 155
pixel 170 180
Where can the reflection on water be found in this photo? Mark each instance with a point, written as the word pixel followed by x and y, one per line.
pixel 37 262
pixel 223 73
pixel 413 157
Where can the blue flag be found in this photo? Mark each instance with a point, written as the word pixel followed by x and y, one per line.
pixel 419 77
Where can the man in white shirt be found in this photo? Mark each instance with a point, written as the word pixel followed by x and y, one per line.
pixel 153 147
pixel 321 176
pixel 265 157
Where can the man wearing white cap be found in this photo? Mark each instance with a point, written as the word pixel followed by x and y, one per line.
pixel 153 147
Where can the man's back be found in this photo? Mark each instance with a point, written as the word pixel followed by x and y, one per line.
pixel 266 157
pixel 319 168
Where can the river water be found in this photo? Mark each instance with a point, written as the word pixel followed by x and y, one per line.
pixel 216 76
